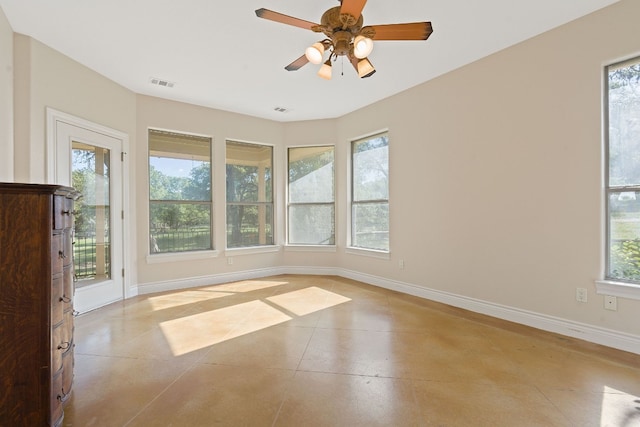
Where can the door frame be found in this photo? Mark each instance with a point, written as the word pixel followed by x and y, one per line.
pixel 52 173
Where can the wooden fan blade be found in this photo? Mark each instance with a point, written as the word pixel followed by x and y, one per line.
pixel 408 31
pixel 284 19
pixel 297 64
pixel 353 7
pixel 354 62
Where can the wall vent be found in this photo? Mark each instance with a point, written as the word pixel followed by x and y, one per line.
pixel 160 82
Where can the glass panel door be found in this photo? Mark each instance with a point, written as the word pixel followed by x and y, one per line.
pixel 90 170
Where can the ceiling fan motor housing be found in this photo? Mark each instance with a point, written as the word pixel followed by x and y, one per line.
pixel 341 29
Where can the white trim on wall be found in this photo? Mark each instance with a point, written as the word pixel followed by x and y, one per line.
pixel 618 289
pixel 594 334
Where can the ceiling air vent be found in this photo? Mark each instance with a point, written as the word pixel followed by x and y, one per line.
pixel 160 82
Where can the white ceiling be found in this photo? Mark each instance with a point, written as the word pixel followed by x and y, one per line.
pixel 220 55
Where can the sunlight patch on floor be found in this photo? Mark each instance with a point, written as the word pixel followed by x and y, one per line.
pixel 198 331
pixel 245 286
pixel 308 300
pixel 619 408
pixel 201 330
pixel 162 302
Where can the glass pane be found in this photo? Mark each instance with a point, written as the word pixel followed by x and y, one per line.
pixel 624 125
pixel 249 170
pixel 179 166
pixel 311 175
pixel 249 225
pixel 249 194
pixel 311 224
pixel 179 179
pixel 371 169
pixel 179 192
pixel 624 235
pixel 179 227
pixel 370 228
pixel 242 183
pixel 92 249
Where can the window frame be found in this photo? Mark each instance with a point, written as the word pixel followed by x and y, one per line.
pixel 360 250
pixel 155 257
pixel 259 248
pixel 610 285
pixel 289 204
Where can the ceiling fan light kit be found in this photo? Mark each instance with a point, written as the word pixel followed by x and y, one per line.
pixel 314 53
pixel 365 68
pixel 346 36
pixel 362 46
pixel 325 70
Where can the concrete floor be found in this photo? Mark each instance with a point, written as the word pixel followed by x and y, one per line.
pixel 327 351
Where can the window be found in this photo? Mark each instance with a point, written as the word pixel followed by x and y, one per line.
pixel 311 210
pixel 179 192
pixel 623 172
pixel 249 195
pixel 370 193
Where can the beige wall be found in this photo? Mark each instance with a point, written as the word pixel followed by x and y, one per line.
pixel 496 173
pixel 50 79
pixel 6 99
pixel 496 191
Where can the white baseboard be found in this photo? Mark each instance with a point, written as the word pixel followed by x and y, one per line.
pixel 594 334
pixel 215 279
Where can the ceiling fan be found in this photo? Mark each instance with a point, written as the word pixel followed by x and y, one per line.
pixel 346 36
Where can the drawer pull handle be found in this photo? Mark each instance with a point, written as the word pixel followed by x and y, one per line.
pixel 64 345
pixel 65 299
pixel 63 397
pixel 61 254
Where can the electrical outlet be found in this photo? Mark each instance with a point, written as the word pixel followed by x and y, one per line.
pixel 581 294
pixel 230 261
pixel 401 264
pixel 610 303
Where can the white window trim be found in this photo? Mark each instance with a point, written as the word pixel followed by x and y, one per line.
pixel 373 253
pixel 618 289
pixel 252 250
pixel 310 248
pixel 158 258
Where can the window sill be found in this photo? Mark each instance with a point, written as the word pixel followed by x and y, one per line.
pixel 618 289
pixel 368 252
pixel 180 256
pixel 251 250
pixel 310 248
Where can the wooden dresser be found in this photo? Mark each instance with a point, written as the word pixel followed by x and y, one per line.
pixel 36 303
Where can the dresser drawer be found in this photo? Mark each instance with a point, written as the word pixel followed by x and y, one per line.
pixel 57 302
pixel 67 244
pixel 67 370
pixel 57 348
pixel 67 287
pixel 58 254
pixel 57 398
pixel 62 212
pixel 67 326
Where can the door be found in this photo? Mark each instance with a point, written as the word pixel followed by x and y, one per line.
pixel 90 162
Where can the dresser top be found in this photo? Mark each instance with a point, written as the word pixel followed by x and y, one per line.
pixel 17 187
